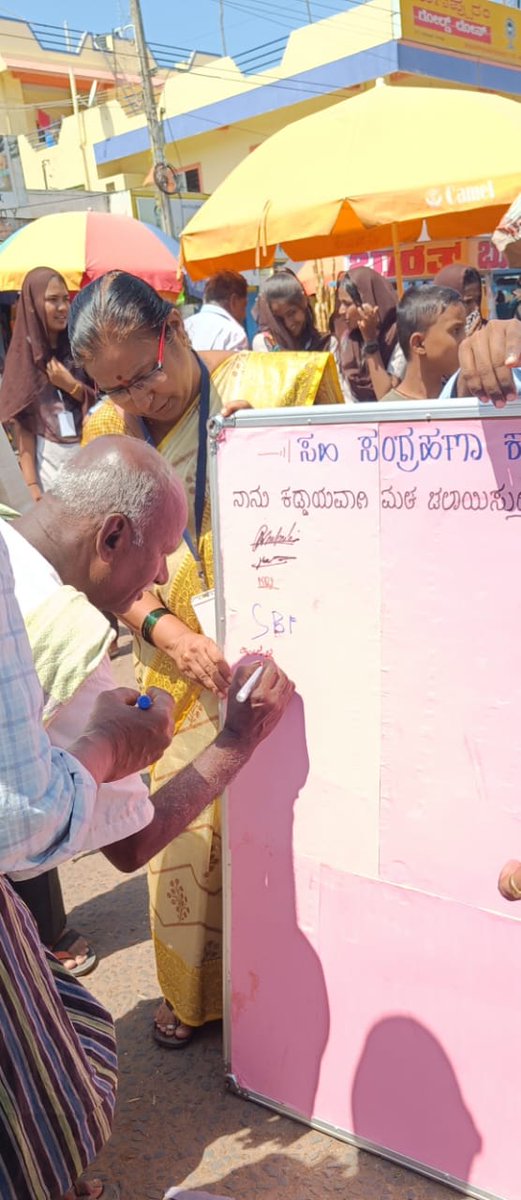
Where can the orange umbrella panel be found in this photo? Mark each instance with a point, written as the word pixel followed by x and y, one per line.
pixel 316 189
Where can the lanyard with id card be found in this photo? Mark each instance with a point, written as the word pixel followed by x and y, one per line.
pixel 66 423
pixel 203 604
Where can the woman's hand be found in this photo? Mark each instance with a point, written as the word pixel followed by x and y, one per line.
pixel 234 406
pixel 61 377
pixel 368 322
pixel 201 661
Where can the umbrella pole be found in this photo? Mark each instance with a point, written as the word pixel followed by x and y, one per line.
pixel 397 259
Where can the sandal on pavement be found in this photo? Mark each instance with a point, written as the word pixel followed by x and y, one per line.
pixel 64 951
pixel 168 1035
pixel 93 1189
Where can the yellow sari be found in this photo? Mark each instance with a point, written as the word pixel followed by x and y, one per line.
pixel 185 878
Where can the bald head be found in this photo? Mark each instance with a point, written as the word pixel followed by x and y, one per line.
pixel 114 514
pixel 120 475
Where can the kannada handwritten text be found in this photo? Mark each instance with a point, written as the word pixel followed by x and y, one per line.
pixel 322 498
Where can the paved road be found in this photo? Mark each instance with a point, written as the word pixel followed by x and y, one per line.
pixel 175 1123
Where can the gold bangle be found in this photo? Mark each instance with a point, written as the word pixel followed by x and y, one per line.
pixel 75 389
pixel 514 888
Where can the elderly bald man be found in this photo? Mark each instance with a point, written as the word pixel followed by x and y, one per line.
pixel 105 529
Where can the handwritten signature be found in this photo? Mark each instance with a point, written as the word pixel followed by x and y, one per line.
pixel 266 537
pixel 278 560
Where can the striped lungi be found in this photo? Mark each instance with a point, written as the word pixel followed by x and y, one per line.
pixel 58 1065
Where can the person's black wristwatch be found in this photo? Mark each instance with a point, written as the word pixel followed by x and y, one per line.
pixel 371 347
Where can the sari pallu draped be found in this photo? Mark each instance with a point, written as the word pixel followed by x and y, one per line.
pixel 185 878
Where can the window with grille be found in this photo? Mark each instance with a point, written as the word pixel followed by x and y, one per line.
pixel 193 179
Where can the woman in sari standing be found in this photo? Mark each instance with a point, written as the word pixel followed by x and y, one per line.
pixel 133 344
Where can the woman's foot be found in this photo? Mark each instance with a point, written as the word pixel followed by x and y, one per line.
pixel 74 953
pixel 169 1030
pixel 93 1189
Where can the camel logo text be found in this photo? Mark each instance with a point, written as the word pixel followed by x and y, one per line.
pixel 434 197
pixel 455 194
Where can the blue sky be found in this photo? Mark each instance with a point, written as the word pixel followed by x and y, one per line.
pixel 190 23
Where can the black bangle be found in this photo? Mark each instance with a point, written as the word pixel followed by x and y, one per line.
pixel 150 623
pixel 371 347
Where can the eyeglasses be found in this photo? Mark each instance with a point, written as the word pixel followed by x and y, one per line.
pixel 138 385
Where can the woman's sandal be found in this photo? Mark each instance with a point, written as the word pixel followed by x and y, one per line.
pixel 166 1035
pixel 64 952
pixel 93 1189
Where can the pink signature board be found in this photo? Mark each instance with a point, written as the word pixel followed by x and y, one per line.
pixel 374 968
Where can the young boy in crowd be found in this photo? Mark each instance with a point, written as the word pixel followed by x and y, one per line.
pixel 431 325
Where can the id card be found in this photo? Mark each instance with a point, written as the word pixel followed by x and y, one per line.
pixel 66 424
pixel 204 609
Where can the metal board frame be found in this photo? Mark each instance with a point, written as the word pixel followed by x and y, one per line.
pixel 380 413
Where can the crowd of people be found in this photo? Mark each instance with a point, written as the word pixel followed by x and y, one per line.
pixel 107 401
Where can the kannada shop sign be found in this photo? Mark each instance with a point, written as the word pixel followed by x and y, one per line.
pixel 424 260
pixel 484 31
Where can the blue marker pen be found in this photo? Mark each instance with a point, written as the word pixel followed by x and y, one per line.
pixel 144 702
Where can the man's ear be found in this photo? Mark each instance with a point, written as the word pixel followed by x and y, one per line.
pixel 416 343
pixel 113 537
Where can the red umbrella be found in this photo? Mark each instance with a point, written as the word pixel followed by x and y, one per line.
pixel 81 246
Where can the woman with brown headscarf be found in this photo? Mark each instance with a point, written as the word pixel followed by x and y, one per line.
pixel 365 324
pixel 41 393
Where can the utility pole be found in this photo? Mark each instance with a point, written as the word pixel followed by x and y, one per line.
pixel 223 30
pixel 155 127
pixel 308 6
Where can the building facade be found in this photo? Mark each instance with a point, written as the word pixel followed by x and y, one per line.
pixel 73 117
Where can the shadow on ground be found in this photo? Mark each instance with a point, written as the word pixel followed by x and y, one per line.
pixel 116 919
pixel 175 1123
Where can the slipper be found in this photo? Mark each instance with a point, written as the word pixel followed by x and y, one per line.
pixel 63 950
pixel 169 1039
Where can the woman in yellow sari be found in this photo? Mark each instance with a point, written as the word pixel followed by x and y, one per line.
pixel 135 348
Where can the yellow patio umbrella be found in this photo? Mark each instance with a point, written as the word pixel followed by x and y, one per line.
pixel 364 174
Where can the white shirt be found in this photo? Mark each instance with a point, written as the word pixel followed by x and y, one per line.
pixel 214 328
pixel 13 489
pixel 46 797
pixel 120 808
pixel 397 365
